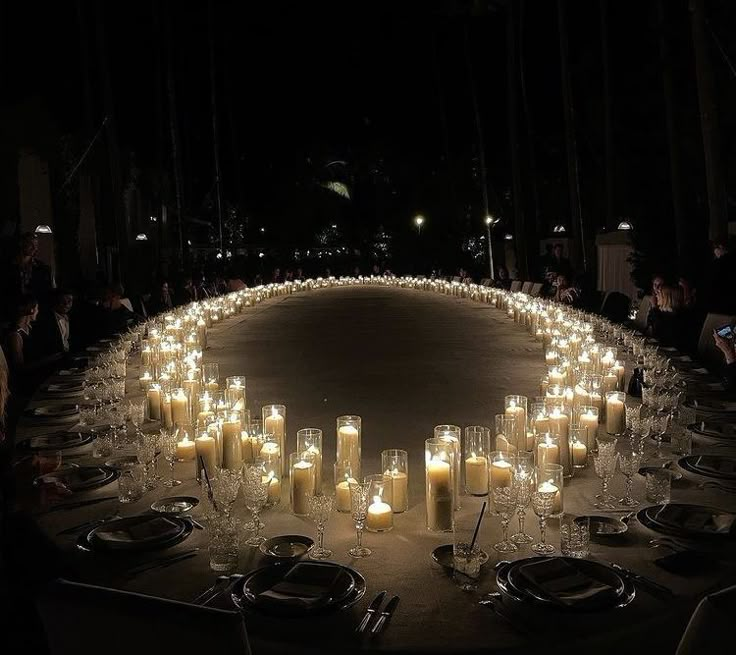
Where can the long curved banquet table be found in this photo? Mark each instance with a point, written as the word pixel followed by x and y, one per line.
pixel 405 361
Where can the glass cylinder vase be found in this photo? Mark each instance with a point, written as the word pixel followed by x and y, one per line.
pixel 348 446
pixel 439 456
pixel 274 424
pixel 380 517
pixel 310 440
pixel 476 453
pixel 395 464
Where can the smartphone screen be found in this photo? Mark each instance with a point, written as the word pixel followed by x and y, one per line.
pixel 725 331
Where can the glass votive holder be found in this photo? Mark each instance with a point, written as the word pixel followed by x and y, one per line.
pixel 579 446
pixel 658 484
pixel 235 392
pixel 232 446
pixel 343 477
pixel 310 440
pixel 348 445
pixel 395 464
pixel 500 470
pixel 271 473
pixel 516 406
pixel 615 412
pixel 380 517
pixel 476 451
pixel 211 377
pixel 547 449
pixel 503 435
pixel 130 482
pixel 302 469
pixel 451 435
pixel 575 536
pixel 274 423
pixel 550 477
pixel 439 456
pixel 205 445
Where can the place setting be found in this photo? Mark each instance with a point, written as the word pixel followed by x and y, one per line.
pixel 54 414
pixel 78 479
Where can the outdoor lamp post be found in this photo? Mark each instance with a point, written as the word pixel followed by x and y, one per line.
pixel 419 221
pixel 490 222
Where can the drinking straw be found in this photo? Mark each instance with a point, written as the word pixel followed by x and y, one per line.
pixel 210 495
pixel 477 525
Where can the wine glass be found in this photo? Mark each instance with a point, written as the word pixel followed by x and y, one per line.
pixel 255 493
pixel 146 453
pixel 629 462
pixel 359 507
pixel 605 468
pixel 524 481
pixel 320 508
pixel 225 485
pixel 504 502
pixel 169 440
pixel 137 413
pixel 542 502
pixel 660 421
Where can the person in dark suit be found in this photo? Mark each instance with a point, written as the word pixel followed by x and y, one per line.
pixel 52 333
pixel 117 317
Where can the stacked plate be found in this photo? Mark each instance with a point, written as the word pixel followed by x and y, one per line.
pixel 82 478
pixel 564 583
pixel 695 522
pixel 54 414
pixel 720 467
pixel 301 590
pixel 65 389
pixel 135 534
pixel 56 441
pixel 711 406
pixel 712 432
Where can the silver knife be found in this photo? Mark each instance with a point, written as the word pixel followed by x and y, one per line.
pixel 385 615
pixel 644 582
pixel 372 609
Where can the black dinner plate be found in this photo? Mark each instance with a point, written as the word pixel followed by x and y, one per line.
pixel 689 521
pixel 585 576
pixel 54 412
pixel 88 542
pixel 56 441
pixel 246 590
pixel 722 467
pixel 711 406
pixel 714 430
pixel 82 478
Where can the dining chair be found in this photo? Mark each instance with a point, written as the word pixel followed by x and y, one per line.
pixel 82 619
pixel 711 626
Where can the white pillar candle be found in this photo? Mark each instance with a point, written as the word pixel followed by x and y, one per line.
pixel 185 449
pixel 154 403
pixel 232 453
pixel 270 449
pixel 579 453
pixel 547 453
pixel 274 425
pixel 500 474
pixel 547 487
pixel 180 408
pixel 166 410
pixel 302 486
pixel 192 386
pixel 145 380
pixel 380 516
pixel 615 416
pixel 206 447
pixel 476 475
pixel 343 502
pixel 589 421
pixel 518 413
pixel 399 490
pixel 559 424
pixel 620 371
pixel 313 450
pixel 246 446
pixel 348 447
pixel 439 495
pixel 274 487
pixel 610 381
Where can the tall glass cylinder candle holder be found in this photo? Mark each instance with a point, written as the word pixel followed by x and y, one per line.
pixel 211 377
pixel 343 477
pixel 235 392
pixel 451 434
pixel 550 477
pixel 380 517
pixel 206 449
pixel 620 369
pixel 615 412
pixel 191 383
pixel 610 381
pixel 395 464
pixel 153 396
pixel 555 396
pixel 556 376
pixel 579 447
pixel 274 423
pixel 180 414
pixel 439 456
pixel 538 421
pixel 232 448
pixel 607 359
pixel 516 406
pixel 310 440
pixel 500 470
pixel 476 453
pixel 301 469
pixel 271 468
pixel 503 436
pixel 588 419
pixel 547 449
pixel 252 443
pixel 559 425
pixel 348 446
pixel 207 406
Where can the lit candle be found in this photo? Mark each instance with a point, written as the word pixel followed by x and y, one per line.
pixel 343 501
pixel 559 424
pixel 145 380
pixel 547 452
pixel 212 385
pixel 154 402
pixel 399 490
pixel 380 516
pixel 274 487
pixel 185 449
pixel 589 420
pixel 615 415
pixel 500 474
pixel 206 447
pixel 302 486
pixel 274 425
pixel 518 413
pixel 476 475
pixel 579 453
pixel 439 495
pixel 166 410
pixel 180 407
pixel 232 448
pixel 348 447
pixel 235 393
pixel 548 487
pixel 313 450
pixel 620 371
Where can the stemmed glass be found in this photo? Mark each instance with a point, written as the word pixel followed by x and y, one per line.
pixel 225 485
pixel 255 493
pixel 146 453
pixel 660 422
pixel 542 502
pixel 524 481
pixel 320 508
pixel 359 505
pixel 605 468
pixel 136 414
pixel 629 462
pixel 169 440
pixel 504 502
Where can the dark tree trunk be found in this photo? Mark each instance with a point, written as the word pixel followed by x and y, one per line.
pixel 608 156
pixel 512 67
pixel 573 179
pixel 678 209
pixel 718 226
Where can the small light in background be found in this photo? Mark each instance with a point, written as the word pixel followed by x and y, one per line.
pixel 153 219
pixel 219 255
pixel 508 236
pixel 559 229
pixel 419 220
pixel 261 255
pixel 490 220
pixel 189 242
pixel 141 237
pixel 43 229
pixel 625 226
pixel 263 229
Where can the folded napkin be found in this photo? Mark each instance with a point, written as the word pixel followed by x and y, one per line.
pixel 564 582
pixel 306 585
pixel 695 519
pixel 138 530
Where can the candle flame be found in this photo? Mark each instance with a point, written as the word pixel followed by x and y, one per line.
pixel 376 499
pixel 274 412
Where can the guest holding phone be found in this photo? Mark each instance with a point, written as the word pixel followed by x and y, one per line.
pixel 724 339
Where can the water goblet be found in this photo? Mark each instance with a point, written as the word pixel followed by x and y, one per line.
pixel 320 508
pixel 660 422
pixel 605 468
pixel 629 462
pixel 524 481
pixel 146 453
pixel 504 503
pixel 359 507
pixel 255 493
pixel 169 440
pixel 542 502
pixel 225 486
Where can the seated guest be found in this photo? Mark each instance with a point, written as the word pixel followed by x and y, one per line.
pixel 658 282
pixel 566 291
pixel 188 293
pixel 728 348
pixel 502 280
pixel 16 345
pixel 160 299
pixel 117 317
pixel 51 333
pixel 665 318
